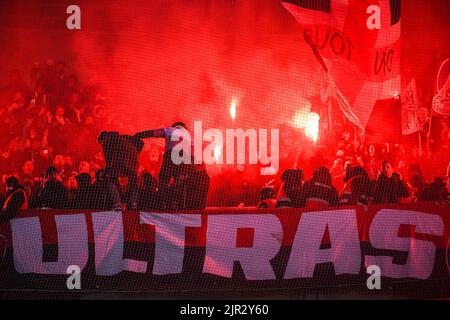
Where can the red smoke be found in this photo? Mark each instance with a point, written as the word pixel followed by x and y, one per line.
pixel 174 61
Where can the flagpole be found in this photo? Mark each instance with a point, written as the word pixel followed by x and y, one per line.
pixel 315 51
pixel 319 57
pixel 429 130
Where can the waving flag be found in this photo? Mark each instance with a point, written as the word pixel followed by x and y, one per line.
pixel 362 65
pixel 441 101
pixel 410 108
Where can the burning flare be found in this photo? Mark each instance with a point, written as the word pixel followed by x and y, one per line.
pixel 309 122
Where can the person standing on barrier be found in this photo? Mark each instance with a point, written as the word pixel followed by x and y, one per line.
pixel 121 154
pixel 169 170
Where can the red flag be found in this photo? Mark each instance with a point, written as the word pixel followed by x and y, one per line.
pixel 385 123
pixel 363 65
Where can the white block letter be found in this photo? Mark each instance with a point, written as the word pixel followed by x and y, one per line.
pixel 108 237
pixel 345 252
pixel 221 250
pixel 170 239
pixel 28 247
pixel 383 235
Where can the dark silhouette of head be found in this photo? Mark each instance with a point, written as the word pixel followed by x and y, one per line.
pixel 322 175
pixel 292 181
pixel 351 172
pixel 100 175
pixel 267 193
pixel 290 176
pixel 438 183
pixel 102 137
pixel 83 180
pixel 12 183
pixel 51 172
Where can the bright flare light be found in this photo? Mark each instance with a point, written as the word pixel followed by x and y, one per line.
pixel 309 122
pixel 233 108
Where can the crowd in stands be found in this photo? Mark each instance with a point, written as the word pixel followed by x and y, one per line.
pixel 50 158
pixel 359 189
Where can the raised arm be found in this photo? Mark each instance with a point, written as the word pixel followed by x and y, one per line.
pixel 158 133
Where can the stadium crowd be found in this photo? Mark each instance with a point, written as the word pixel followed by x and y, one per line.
pixel 50 158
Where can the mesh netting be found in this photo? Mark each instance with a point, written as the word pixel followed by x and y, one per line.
pixel 222 149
